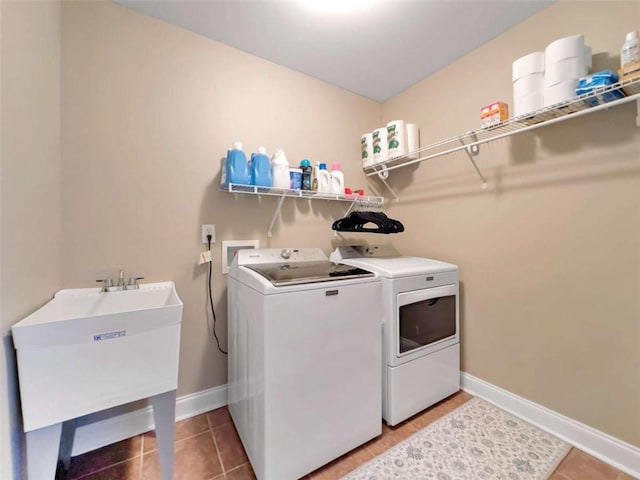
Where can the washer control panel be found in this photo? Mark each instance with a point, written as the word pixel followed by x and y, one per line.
pixel 278 255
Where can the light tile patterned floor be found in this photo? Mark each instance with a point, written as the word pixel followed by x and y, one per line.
pixel 208 448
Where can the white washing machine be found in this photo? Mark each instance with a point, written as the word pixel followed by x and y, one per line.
pixel 304 359
pixel 421 324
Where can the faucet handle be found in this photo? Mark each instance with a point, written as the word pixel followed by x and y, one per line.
pixel 107 284
pixel 133 283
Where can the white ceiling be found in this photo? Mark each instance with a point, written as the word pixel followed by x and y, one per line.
pixel 376 48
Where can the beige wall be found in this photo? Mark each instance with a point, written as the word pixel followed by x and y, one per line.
pixel 29 182
pixel 550 254
pixel 149 110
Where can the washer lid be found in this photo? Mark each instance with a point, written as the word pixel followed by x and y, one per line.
pixel 394 267
pixel 284 274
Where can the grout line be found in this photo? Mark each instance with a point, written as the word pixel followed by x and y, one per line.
pixel 105 468
pixel 141 455
pixel 215 444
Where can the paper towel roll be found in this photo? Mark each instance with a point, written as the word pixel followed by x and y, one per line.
pixel 396 138
pixel 588 57
pixel 380 145
pixel 566 47
pixel 532 63
pixel 413 140
pixel 565 70
pixel 527 103
pixel 366 150
pixel 528 84
pixel 560 92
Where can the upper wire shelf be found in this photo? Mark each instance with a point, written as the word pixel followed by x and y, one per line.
pixel 310 194
pixel 546 116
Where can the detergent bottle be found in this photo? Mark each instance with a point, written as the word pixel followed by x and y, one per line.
pixel 236 166
pixel 337 179
pixel 261 175
pixel 280 170
pixel 323 178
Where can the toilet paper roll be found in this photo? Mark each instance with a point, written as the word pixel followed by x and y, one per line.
pixel 566 47
pixel 396 138
pixel 565 70
pixel 528 84
pixel 560 92
pixel 527 104
pixel 413 140
pixel 366 150
pixel 380 145
pixel 531 63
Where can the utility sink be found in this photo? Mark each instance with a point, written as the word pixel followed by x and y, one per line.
pixel 88 350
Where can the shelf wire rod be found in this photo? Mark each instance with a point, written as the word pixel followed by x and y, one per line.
pixel 383 174
pixel 275 216
pixel 471 153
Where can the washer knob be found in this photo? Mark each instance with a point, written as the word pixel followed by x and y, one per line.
pixel 286 254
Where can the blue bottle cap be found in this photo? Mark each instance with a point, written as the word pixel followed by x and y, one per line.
pixel 322 166
pixel 305 163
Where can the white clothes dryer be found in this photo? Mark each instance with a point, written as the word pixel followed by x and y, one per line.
pixel 304 359
pixel 421 327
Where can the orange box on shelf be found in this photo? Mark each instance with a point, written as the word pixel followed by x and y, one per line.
pixel 485 116
pixel 499 112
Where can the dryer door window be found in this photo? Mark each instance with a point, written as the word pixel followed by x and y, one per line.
pixel 425 318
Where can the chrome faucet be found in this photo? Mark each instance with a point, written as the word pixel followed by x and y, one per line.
pixel 108 285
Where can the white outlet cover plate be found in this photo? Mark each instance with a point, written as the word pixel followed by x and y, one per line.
pixel 206 229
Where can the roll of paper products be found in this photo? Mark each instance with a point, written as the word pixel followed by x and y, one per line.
pixel 560 92
pixel 566 47
pixel 564 70
pixel 527 104
pixel 366 150
pixel 380 145
pixel 413 140
pixel 588 57
pixel 528 84
pixel 396 138
pixel 531 63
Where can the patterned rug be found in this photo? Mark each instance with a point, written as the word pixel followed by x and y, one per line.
pixel 475 441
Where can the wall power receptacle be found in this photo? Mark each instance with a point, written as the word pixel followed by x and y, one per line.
pixel 208 230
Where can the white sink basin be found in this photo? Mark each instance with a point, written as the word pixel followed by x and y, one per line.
pixel 86 351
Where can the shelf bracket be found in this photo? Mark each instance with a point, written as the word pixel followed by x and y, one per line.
pixel 473 150
pixel 638 113
pixel 275 216
pixel 383 174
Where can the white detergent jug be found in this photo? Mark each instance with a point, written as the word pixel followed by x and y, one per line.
pixel 280 170
pixel 337 179
pixel 323 178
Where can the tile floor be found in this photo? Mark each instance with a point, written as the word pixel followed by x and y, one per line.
pixel 207 447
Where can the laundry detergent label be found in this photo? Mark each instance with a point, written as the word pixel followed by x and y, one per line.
pixel 109 335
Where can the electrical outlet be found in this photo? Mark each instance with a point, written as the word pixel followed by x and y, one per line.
pixel 208 230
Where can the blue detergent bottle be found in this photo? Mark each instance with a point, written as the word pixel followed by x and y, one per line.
pixel 261 175
pixel 236 167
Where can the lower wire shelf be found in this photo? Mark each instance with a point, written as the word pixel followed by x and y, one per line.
pixel 355 200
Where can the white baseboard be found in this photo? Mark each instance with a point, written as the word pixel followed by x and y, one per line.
pixel 105 432
pixel 609 449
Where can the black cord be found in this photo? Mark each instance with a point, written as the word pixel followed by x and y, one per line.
pixel 211 303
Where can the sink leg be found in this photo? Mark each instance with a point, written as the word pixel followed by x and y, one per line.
pixel 164 416
pixel 43 446
pixel 66 443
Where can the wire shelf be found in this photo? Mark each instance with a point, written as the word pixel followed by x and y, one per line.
pixel 546 116
pixel 309 194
